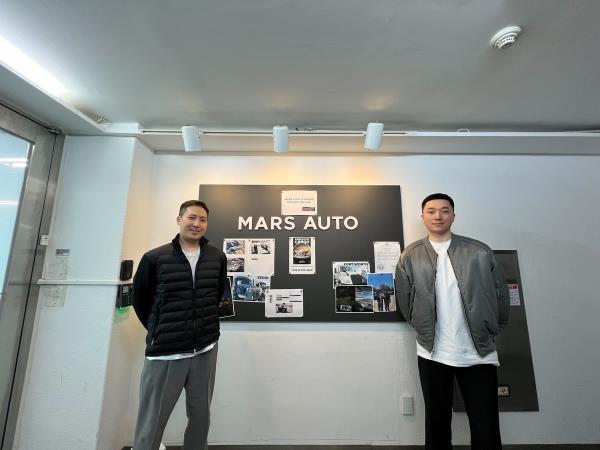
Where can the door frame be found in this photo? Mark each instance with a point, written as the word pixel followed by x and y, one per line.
pixel 26 257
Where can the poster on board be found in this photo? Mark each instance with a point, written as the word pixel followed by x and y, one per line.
pixel 250 256
pixel 302 256
pixel 284 303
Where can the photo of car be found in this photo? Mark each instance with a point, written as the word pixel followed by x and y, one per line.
pixel 240 285
pixel 261 248
pixel 255 293
pixel 344 276
pixel 301 254
pixel 234 247
pixel 247 289
pixel 235 265
pixel 349 274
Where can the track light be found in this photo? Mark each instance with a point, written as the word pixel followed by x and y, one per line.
pixel 280 138
pixel 191 138
pixel 373 136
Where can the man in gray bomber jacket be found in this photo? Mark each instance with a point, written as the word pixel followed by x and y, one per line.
pixel 451 289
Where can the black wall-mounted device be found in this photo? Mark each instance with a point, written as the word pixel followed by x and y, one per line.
pixel 126 270
pixel 124 295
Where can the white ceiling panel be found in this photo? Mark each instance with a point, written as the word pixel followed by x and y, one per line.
pixel 332 65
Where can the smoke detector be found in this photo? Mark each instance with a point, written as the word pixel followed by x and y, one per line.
pixel 506 37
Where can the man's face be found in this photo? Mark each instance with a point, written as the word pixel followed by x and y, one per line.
pixel 193 223
pixel 438 216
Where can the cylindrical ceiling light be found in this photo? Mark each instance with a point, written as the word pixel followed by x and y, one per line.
pixel 191 138
pixel 373 136
pixel 280 138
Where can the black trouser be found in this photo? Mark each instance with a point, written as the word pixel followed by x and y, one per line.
pixel 479 387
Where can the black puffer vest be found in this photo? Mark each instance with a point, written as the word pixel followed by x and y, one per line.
pixel 184 315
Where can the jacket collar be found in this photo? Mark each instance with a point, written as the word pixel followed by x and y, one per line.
pixel 432 253
pixel 177 245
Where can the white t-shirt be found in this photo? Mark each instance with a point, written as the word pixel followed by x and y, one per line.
pixel 192 257
pixel 453 344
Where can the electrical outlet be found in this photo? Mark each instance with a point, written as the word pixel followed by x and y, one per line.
pixel 503 391
pixel 407 404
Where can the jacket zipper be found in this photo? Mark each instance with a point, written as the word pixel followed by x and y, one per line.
pixel 464 307
pixel 187 262
pixel 434 302
pixel 194 301
pixel 194 292
pixel 194 295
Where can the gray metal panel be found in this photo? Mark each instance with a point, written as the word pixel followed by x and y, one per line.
pixel 514 351
pixel 18 307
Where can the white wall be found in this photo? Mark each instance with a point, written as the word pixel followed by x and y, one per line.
pixel 67 372
pixel 332 383
pixel 306 383
pixel 118 411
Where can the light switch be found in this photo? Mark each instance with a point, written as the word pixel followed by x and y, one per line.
pixel 407 405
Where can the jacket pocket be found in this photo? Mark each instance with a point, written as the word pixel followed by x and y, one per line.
pixel 491 321
pixel 155 322
pixel 411 304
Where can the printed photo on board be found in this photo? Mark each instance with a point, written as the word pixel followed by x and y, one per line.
pixel 383 291
pixel 354 299
pixel 350 273
pixel 250 288
pixel 235 247
pixel 226 308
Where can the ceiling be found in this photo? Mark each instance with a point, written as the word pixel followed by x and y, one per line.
pixel 246 65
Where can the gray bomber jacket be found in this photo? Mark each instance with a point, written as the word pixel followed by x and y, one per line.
pixel 480 280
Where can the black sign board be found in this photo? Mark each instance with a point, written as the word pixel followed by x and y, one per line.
pixel 348 220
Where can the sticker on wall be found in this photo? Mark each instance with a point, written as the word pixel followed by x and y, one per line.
pixel 513 294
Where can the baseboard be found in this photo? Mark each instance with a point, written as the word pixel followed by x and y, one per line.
pixel 389 447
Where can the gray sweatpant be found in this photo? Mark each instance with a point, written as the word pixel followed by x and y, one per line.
pixel 161 385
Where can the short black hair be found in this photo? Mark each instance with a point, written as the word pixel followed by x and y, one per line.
pixel 437 196
pixel 185 205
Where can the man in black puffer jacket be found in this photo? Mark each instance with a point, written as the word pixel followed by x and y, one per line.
pixel 176 292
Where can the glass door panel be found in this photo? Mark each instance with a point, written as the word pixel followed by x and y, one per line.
pixel 29 161
pixel 13 165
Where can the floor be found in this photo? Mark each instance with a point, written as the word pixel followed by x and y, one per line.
pixel 388 447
